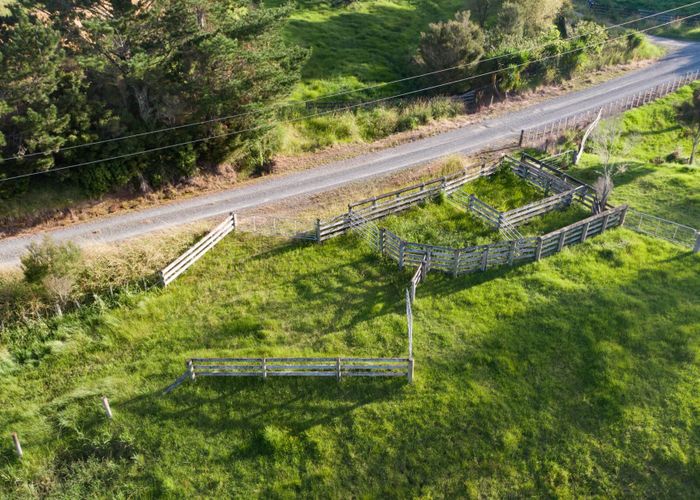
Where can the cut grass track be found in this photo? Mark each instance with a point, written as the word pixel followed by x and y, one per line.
pixel 573 376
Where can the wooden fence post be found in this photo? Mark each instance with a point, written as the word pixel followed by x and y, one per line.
pixel 105 405
pixel 696 248
pixel 584 234
pixel 411 366
pixel 402 249
pixel 18 446
pixel 409 323
pixel 190 370
pixel 511 253
pixel 318 230
pixel 455 265
pixel 485 259
pixel 623 216
pixel 522 136
pixel 538 249
pixel 234 220
pixel 562 238
pixel 605 223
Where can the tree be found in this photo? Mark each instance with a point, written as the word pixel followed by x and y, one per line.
pixel 147 65
pixel 511 21
pixel 607 144
pixel 457 42
pixel 688 114
pixel 38 95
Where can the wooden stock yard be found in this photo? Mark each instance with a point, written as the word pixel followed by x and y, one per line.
pixel 197 251
pixel 265 368
pixel 458 261
pixel 399 201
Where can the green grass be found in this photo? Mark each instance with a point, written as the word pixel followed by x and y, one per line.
pixel 574 376
pixel 365 42
pixel 441 223
pixel 669 189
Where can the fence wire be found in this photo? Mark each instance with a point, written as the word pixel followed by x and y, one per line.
pixel 661 228
pixel 276 226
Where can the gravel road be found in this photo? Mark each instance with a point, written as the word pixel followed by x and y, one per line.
pixel 684 57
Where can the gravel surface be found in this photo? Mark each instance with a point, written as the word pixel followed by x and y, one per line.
pixel 684 57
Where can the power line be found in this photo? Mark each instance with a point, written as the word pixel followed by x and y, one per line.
pixel 349 107
pixel 321 98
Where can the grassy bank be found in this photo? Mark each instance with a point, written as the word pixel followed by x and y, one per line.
pixel 655 150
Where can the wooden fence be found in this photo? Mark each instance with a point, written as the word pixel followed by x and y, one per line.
pixel 522 215
pixel 458 261
pixel 264 368
pixel 197 251
pixel 418 278
pixel 398 201
pixel 540 136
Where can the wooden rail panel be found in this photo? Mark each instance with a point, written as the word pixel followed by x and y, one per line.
pixel 197 251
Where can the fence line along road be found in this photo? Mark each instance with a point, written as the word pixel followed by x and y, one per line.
pixel 264 368
pixel 542 135
pixel 197 251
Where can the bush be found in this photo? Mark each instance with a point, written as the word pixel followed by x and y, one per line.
pixel 378 123
pixel 332 129
pixel 49 258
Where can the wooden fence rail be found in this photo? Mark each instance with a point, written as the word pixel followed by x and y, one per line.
pixel 264 368
pixel 378 207
pixel 522 215
pixel 458 261
pixel 541 135
pixel 197 251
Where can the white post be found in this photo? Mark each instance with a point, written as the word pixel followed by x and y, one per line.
pixel 105 405
pixel 18 446
pixel 696 249
pixel 409 321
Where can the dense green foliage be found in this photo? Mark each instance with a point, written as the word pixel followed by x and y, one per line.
pixel 133 67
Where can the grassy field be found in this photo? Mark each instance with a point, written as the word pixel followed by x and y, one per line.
pixel 574 376
pixel 657 179
pixel 364 42
pixel 537 380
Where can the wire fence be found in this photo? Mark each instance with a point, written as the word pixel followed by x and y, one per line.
pixel 542 135
pixel 658 227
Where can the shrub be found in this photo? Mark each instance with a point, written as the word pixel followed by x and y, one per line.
pixel 49 258
pixel 379 122
pixel 333 129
